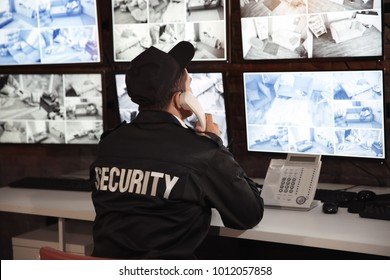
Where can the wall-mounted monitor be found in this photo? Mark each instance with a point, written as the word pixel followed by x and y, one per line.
pixel 311 29
pixel 332 113
pixel 48 32
pixel 140 24
pixel 209 89
pixel 51 108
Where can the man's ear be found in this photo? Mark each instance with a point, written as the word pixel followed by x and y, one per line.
pixel 176 100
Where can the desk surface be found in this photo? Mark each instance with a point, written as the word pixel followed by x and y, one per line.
pixel 51 203
pixel 342 231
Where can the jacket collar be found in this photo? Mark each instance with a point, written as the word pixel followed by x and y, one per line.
pixel 157 117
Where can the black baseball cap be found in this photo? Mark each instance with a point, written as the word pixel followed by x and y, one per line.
pixel 152 73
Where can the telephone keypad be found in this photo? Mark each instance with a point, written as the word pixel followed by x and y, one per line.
pixel 290 181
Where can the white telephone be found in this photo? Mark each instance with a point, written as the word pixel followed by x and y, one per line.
pixel 292 183
pixel 189 102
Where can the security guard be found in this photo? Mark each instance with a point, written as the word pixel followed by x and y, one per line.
pixel 156 179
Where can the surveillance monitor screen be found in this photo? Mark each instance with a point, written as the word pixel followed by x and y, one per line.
pixel 140 24
pixel 306 29
pixel 335 113
pixel 51 108
pixel 208 89
pixel 48 32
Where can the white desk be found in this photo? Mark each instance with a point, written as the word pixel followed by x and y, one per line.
pixel 342 231
pixel 50 203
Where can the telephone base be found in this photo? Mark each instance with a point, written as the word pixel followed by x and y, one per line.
pixel 314 204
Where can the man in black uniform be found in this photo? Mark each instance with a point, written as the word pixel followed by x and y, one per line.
pixel 156 179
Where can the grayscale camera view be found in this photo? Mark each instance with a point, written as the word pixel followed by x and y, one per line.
pixel 310 112
pixel 140 24
pixel 48 32
pixel 299 29
pixel 205 10
pixel 208 89
pixel 49 108
pixel 128 110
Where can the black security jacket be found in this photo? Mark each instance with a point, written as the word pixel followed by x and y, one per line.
pixel 155 183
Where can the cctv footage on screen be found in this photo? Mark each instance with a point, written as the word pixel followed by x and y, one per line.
pixel 51 108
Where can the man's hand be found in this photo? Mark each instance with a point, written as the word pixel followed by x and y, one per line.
pixel 211 126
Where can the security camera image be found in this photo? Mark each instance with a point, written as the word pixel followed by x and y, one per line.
pixel 339 113
pixel 140 24
pixel 48 32
pixel 43 108
pixel 301 29
pixel 208 88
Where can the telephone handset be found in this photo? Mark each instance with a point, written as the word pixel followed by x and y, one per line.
pixel 189 102
pixel 292 183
